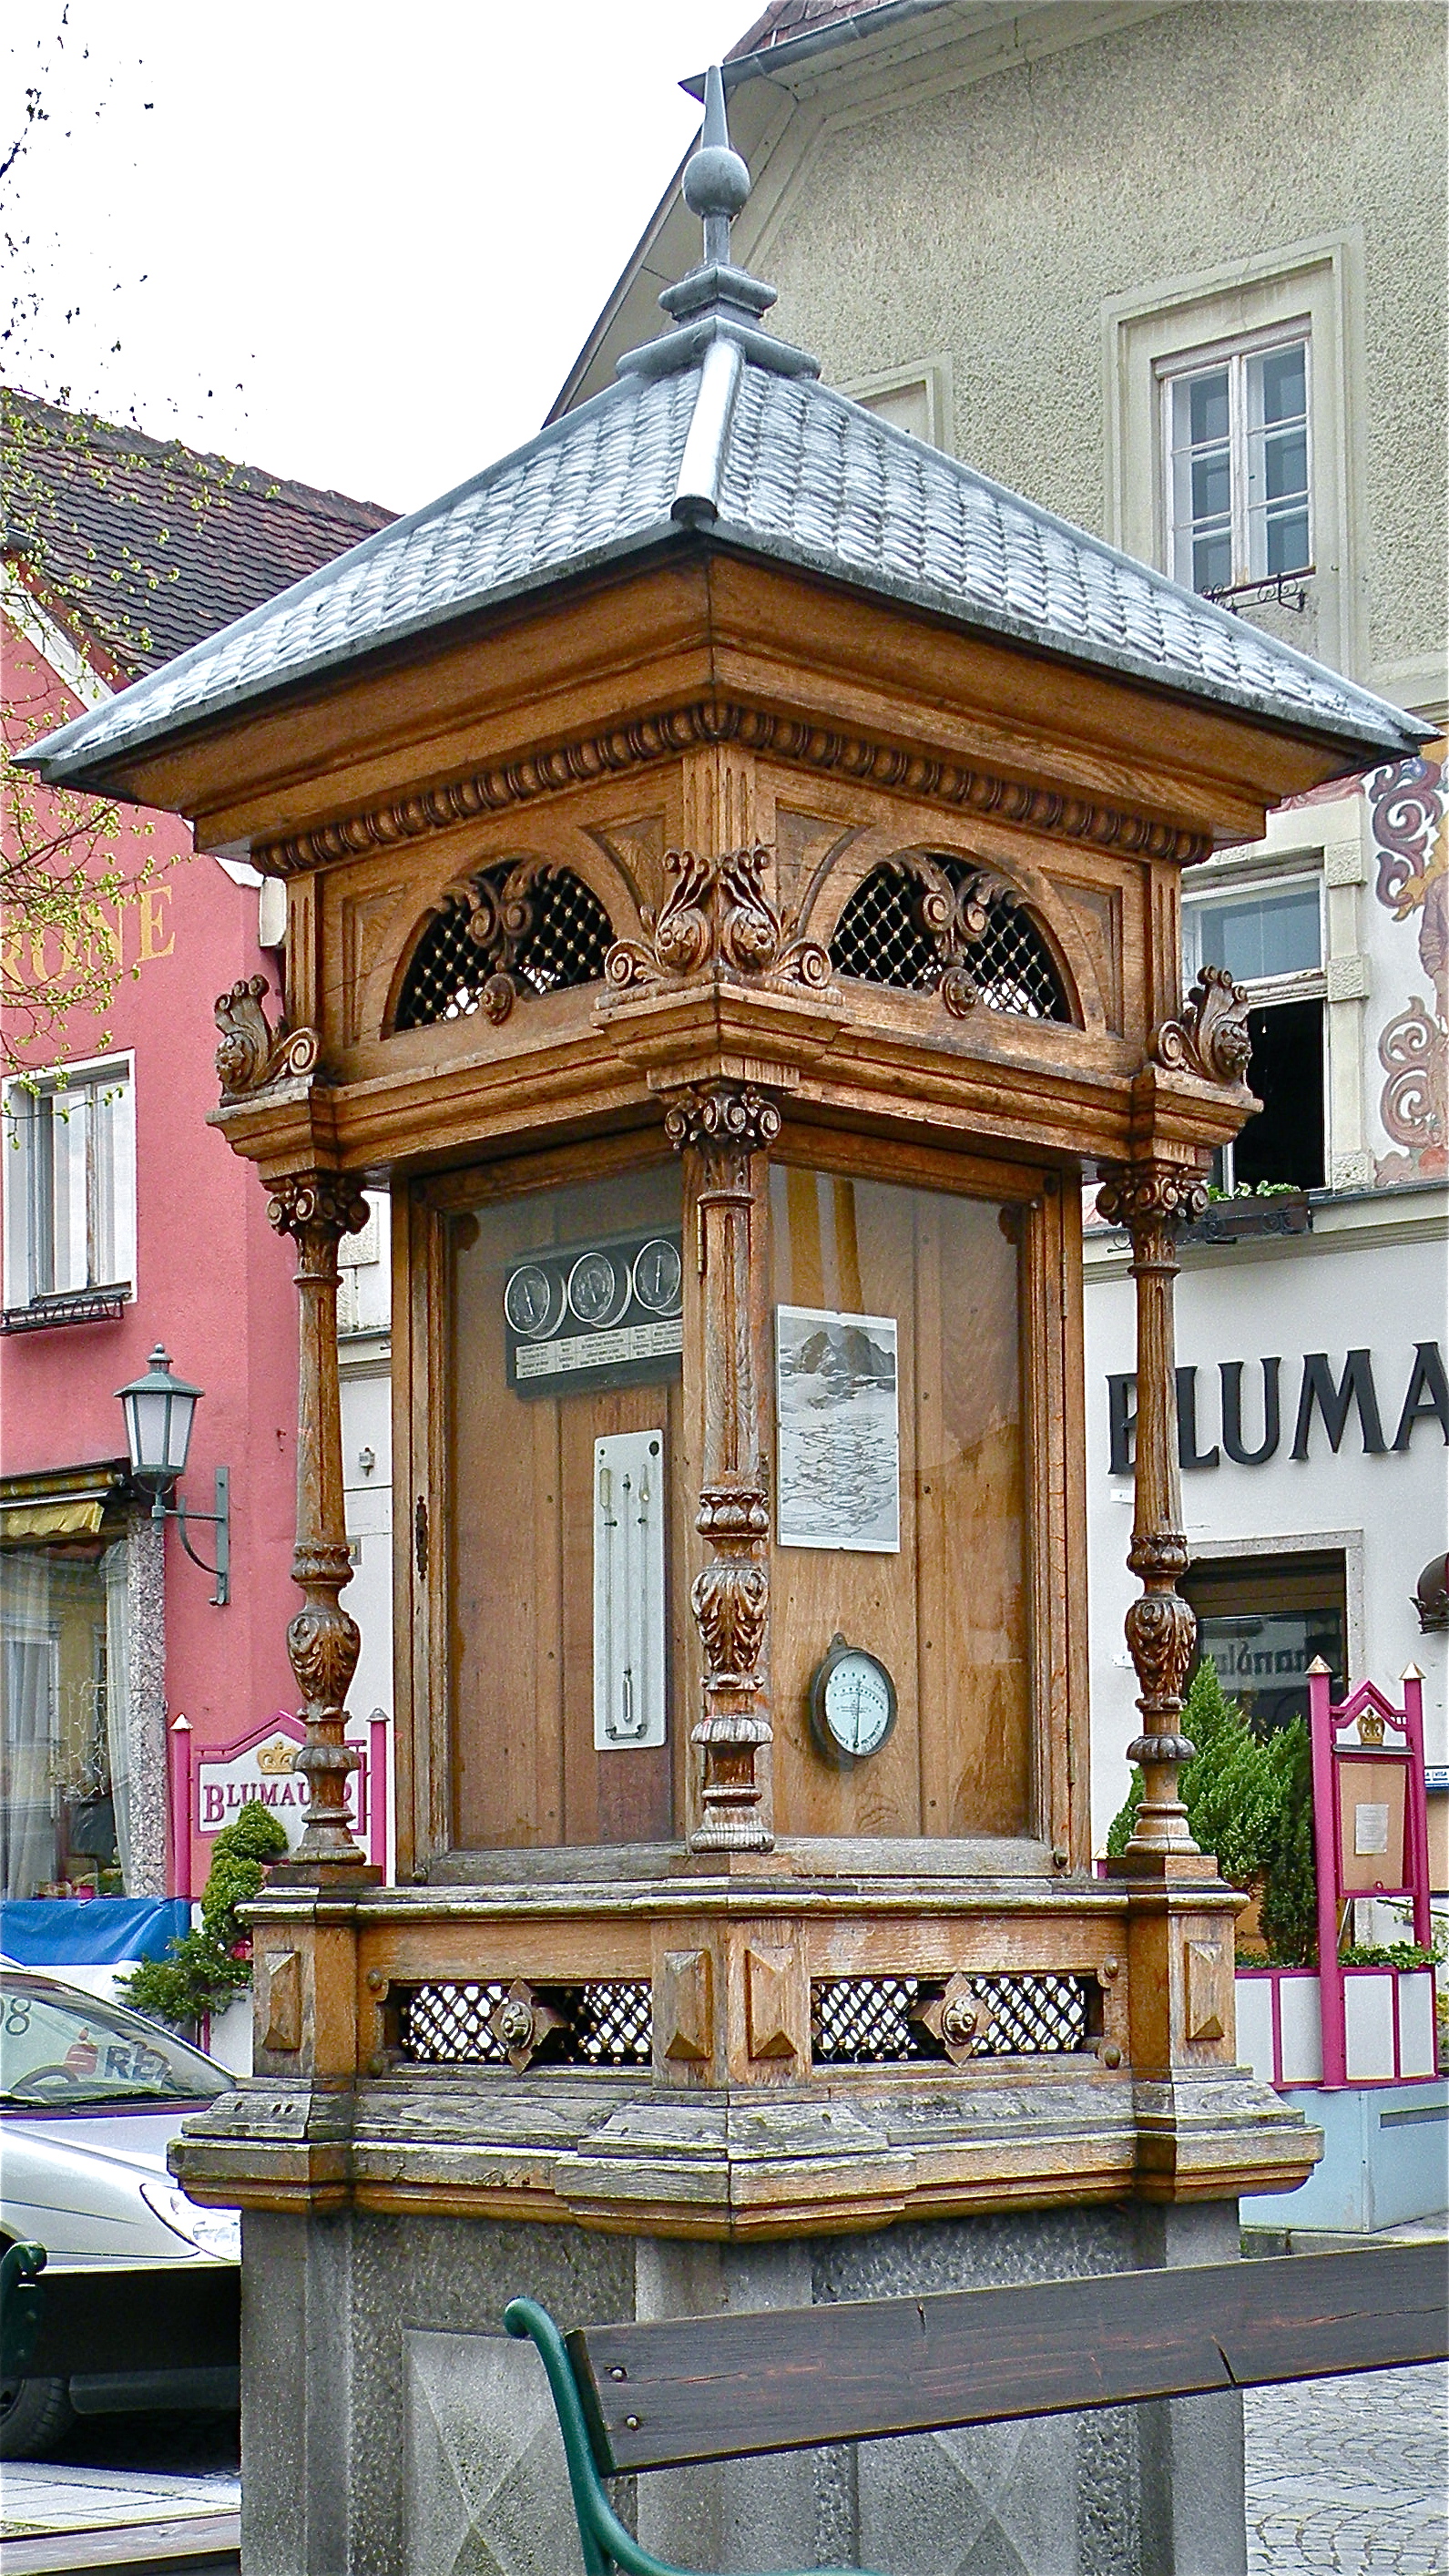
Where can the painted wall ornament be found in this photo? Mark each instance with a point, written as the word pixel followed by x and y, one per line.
pixel 1407 818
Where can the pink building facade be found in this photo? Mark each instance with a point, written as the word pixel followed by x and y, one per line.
pixel 127 1224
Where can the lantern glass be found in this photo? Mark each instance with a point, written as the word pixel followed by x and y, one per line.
pixel 159 1409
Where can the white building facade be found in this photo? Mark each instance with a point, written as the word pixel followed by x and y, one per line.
pixel 1165 266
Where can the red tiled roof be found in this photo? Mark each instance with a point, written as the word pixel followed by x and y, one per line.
pixel 784 18
pixel 146 546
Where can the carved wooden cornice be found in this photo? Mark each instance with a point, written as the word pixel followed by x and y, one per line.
pixel 650 739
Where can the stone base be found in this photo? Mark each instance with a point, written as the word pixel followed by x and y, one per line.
pixel 390 2429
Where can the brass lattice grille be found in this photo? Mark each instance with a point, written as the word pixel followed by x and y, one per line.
pixel 882 938
pixel 559 938
pixel 607 2022
pixel 446 978
pixel 879 938
pixel 875 2021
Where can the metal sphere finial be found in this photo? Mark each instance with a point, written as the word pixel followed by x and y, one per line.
pixel 716 180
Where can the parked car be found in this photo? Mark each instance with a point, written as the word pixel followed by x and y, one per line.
pixel 141 2286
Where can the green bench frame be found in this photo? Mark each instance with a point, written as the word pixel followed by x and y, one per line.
pixel 22 2305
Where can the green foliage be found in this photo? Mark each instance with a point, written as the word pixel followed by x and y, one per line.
pixel 1289 1908
pixel 202 1971
pixel 1250 1802
pixel 1391 1954
pixel 1256 1190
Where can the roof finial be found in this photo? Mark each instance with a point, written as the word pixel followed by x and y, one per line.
pixel 716 180
pixel 716 297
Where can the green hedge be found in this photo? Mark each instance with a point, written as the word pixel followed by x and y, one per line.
pixel 201 1972
pixel 1249 1799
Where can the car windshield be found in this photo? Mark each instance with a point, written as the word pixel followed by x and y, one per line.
pixel 63 2051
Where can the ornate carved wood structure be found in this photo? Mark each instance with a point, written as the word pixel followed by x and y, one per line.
pixel 736 900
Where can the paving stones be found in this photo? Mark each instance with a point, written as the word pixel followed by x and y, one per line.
pixel 1348 2477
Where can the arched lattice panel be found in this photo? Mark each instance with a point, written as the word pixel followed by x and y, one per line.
pixel 910 923
pixel 511 931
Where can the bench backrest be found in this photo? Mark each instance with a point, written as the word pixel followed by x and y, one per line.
pixel 781 2379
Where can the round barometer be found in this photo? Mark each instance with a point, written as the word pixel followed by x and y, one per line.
pixel 852 1704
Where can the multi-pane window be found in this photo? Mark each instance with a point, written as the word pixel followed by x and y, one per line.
pixel 70 1182
pixel 1236 435
pixel 1270 938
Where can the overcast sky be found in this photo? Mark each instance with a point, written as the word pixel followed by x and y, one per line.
pixel 360 250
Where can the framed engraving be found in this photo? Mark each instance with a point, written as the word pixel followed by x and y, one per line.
pixel 837 1431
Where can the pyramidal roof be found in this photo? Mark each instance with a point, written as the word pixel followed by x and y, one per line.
pixel 719 426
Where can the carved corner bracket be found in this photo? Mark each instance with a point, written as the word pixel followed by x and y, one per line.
pixel 1211 1038
pixel 717 918
pixel 252 1053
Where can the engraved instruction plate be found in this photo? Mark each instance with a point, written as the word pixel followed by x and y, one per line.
pixel 837 1431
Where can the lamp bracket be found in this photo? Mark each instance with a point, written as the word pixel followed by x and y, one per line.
pixel 219 1520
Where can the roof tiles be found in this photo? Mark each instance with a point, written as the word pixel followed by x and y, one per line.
pixel 803 475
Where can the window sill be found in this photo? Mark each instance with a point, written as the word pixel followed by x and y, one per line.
pixel 80 1306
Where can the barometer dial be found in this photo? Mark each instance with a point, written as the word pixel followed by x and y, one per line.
pixel 531 1300
pixel 658 1277
pixel 852 1704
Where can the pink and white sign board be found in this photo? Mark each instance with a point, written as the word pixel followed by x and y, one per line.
pixel 212 1783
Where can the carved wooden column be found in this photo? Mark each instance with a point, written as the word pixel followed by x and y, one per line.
pixel 317 1209
pixel 1152 1199
pixel 728 1128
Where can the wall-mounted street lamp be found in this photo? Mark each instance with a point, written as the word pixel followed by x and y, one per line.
pixel 159 1409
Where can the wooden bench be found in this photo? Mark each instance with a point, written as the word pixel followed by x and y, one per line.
pixel 639 2397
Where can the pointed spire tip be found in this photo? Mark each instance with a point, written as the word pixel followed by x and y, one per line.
pixel 716 180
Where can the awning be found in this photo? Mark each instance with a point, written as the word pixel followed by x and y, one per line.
pixel 27 1522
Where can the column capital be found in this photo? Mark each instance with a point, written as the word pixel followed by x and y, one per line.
pixel 1151 1193
pixel 734 1116
pixel 317 1203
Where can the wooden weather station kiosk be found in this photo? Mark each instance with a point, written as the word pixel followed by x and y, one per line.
pixel 733 857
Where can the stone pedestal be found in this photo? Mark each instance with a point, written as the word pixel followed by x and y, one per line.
pixel 390 2429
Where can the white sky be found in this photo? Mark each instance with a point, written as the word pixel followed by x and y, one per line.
pixel 359 248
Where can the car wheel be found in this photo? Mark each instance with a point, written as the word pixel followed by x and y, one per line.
pixel 35 2416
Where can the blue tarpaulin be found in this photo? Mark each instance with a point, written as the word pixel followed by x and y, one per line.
pixel 73 1932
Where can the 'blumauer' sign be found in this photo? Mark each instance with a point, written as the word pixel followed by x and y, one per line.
pixel 260 1766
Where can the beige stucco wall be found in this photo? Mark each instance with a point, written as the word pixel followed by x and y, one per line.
pixel 987 222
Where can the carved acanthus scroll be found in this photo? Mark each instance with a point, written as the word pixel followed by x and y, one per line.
pixel 1211 1039
pixel 727 1126
pixel 1152 1199
pixel 317 1209
pixel 252 1053
pixel 501 915
pixel 718 917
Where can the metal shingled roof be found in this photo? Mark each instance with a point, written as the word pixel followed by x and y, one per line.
pixel 795 471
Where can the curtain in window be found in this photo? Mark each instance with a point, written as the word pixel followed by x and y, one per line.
pixel 118 1709
pixel 29 1722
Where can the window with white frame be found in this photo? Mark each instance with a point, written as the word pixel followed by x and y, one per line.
pixel 1236 442
pixel 1268 933
pixel 70 1183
